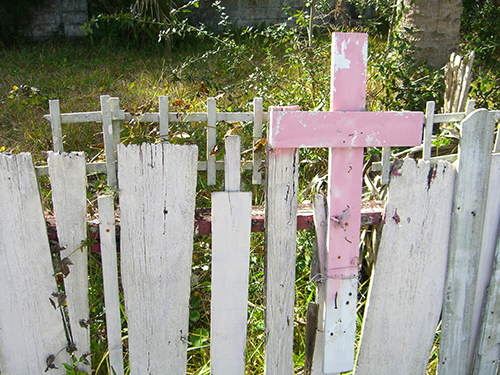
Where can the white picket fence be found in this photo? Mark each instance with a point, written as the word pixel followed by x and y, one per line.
pixel 438 256
pixel 157 187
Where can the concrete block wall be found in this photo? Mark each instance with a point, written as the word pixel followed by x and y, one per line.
pixel 243 13
pixel 60 17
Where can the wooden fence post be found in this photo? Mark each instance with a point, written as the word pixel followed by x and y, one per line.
pixel 469 206
pixel 257 136
pixel 281 235
pixel 109 140
pixel 211 139
pixel 55 122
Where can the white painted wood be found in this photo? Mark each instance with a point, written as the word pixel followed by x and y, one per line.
pixel 471 105
pixel 157 201
pixel 257 135
pixel 487 257
pixel 73 118
pixel 163 118
pixel 55 121
pixel 115 106
pixel 407 283
pixel 340 324
pixel 429 125
pixel 231 226
pixel 448 117
pixel 109 146
pixel 211 139
pixel 96 116
pixel 488 344
pixel 232 163
pixel 469 206
pixel 69 197
pixel 107 239
pixel 31 329
pixel 386 165
pixel 281 235
pixel 100 167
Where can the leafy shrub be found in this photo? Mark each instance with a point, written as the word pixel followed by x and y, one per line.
pixel 481 30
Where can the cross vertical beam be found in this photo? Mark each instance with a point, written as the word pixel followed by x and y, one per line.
pixel 345 166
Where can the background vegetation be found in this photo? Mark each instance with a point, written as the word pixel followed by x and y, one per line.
pixel 138 54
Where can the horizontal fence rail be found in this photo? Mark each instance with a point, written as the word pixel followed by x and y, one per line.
pixel 112 117
pixel 163 117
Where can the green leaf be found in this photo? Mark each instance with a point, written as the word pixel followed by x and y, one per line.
pixel 194 316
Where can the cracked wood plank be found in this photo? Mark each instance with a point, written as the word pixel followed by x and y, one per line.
pixel 157 185
pixel 406 290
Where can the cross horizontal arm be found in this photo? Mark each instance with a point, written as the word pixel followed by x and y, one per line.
pixel 293 129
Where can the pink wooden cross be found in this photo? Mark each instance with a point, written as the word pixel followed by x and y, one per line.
pixel 346 130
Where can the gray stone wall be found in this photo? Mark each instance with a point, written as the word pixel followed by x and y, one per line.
pixel 60 17
pixel 437 28
pixel 243 13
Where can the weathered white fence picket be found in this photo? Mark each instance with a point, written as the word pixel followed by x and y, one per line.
pixel 406 290
pixel 439 248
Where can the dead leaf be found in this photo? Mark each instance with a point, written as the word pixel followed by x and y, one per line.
pixel 233 130
pixel 179 103
pixel 59 279
pixel 203 91
pixel 50 362
pixel 216 149
pixel 84 359
pixel 396 217
pixel 71 348
pixel 260 145
pixel 53 303
pixel 64 266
